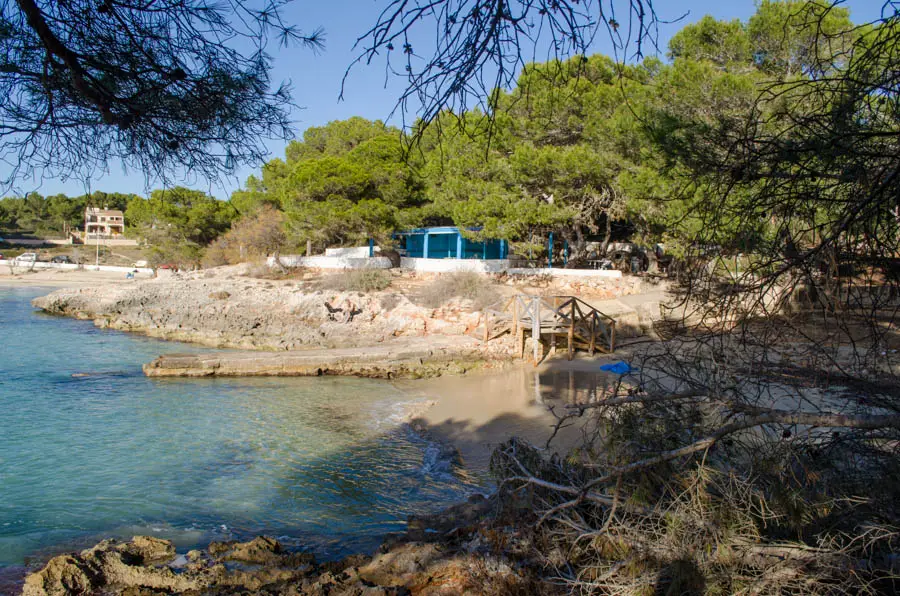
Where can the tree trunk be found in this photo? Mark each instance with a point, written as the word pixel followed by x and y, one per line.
pixel 606 237
pixel 652 261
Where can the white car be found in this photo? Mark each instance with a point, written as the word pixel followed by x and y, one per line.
pixel 26 258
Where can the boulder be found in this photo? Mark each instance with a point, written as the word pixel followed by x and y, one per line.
pixel 62 576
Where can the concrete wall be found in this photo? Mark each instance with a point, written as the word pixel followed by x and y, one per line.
pixel 326 262
pixel 451 265
pixel 583 273
pixel 356 252
pixel 110 242
pixel 499 266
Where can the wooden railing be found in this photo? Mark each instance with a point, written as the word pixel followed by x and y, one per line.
pixel 583 325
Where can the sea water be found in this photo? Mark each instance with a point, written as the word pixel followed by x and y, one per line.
pixel 90 448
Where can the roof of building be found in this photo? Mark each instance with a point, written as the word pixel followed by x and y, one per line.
pixel 436 230
pixel 98 211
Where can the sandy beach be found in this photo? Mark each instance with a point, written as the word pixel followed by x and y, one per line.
pixel 63 279
pixel 478 411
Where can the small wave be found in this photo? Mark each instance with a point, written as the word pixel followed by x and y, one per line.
pixel 390 414
pixel 438 460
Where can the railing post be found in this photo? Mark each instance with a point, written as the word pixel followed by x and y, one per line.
pixel 536 327
pixel 515 317
pixel 571 347
pixel 518 330
pixel 612 336
pixel 593 333
pixel 555 325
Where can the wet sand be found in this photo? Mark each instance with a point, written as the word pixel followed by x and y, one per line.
pixel 479 411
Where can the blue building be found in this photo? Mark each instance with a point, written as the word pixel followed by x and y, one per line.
pixel 447 243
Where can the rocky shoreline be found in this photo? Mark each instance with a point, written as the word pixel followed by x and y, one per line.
pixel 284 327
pixel 471 548
pixel 224 309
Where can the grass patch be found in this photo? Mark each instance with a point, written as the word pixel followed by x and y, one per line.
pixel 464 284
pixel 363 280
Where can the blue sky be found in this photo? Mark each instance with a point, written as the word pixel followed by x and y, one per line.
pixel 316 78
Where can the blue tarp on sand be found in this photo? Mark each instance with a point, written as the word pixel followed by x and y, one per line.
pixel 619 368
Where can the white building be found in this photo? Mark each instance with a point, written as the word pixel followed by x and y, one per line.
pixel 103 223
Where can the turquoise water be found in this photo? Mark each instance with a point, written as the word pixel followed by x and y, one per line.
pixel 322 463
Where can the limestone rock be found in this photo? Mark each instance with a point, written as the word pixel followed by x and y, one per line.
pixel 216 308
pixel 260 550
pixel 63 575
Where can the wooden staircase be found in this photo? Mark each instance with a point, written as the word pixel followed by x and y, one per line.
pixel 583 326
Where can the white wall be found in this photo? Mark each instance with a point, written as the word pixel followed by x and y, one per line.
pixel 449 265
pixel 357 252
pixel 498 266
pixel 110 242
pixel 326 262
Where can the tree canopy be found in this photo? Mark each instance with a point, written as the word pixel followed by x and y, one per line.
pixel 34 213
pixel 184 86
pixel 587 148
pixel 177 224
pixel 342 183
pixel 163 86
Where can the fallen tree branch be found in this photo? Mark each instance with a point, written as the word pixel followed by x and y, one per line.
pixel 871 422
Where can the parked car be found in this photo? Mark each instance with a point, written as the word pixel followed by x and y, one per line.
pixel 1 256
pixel 26 258
pixel 62 259
pixel 139 264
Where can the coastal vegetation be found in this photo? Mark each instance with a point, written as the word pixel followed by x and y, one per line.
pixel 364 280
pixel 587 148
pixel 753 448
pixel 461 284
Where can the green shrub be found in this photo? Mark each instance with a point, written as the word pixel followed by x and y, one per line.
pixel 364 280
pixel 464 284
pixel 260 269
